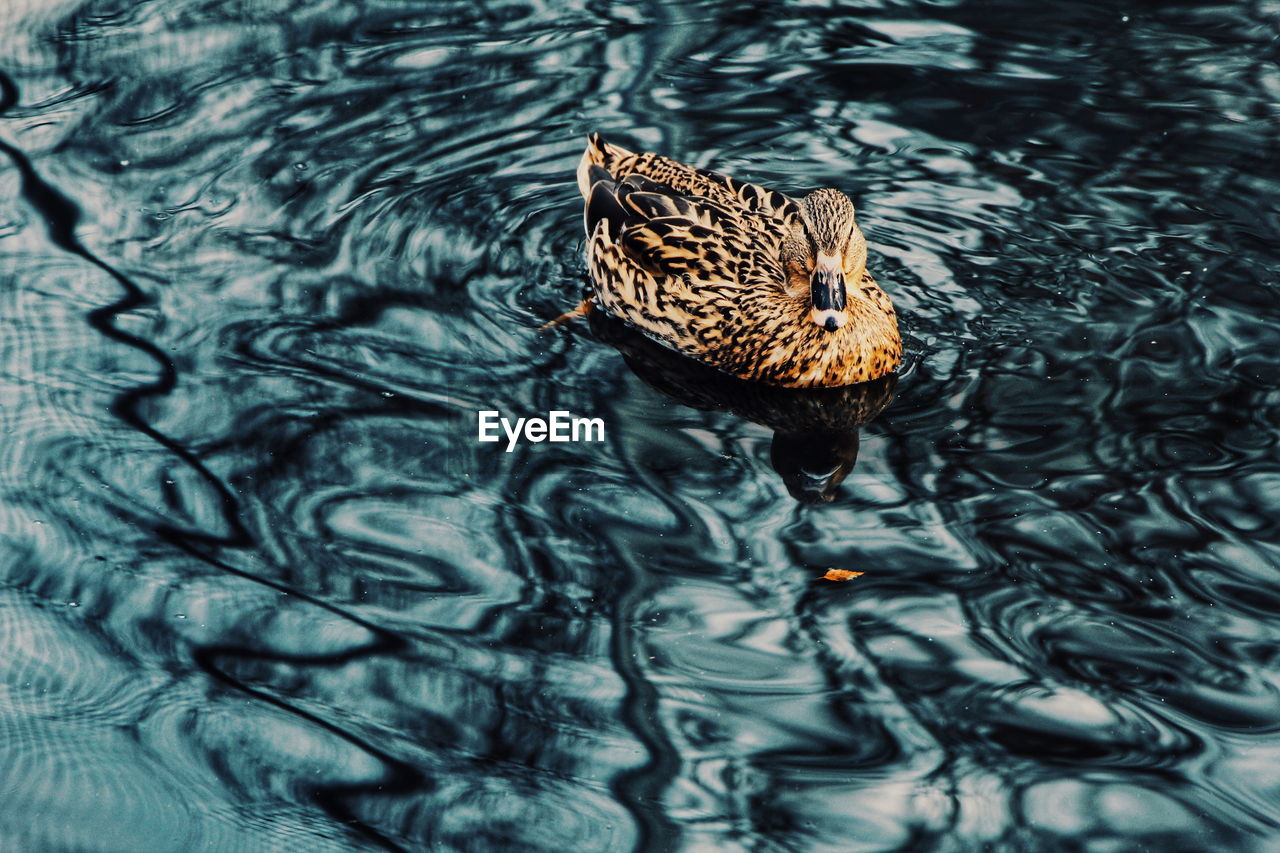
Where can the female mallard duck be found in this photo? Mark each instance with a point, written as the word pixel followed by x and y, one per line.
pixel 740 277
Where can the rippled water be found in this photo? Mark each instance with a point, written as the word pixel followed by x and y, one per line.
pixel 261 588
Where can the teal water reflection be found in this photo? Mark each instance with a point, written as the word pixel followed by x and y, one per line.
pixel 261 263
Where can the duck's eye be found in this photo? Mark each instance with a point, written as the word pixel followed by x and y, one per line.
pixel 854 238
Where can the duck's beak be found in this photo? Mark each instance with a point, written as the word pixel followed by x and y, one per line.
pixel 826 289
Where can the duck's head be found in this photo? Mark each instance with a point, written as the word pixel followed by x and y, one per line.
pixel 825 250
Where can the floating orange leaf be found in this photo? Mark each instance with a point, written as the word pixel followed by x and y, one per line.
pixel 841 574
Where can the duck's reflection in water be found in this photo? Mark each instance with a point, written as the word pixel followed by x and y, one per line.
pixel 815 442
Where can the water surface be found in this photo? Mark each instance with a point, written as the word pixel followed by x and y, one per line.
pixel 261 589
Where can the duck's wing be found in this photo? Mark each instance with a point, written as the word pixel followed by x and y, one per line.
pixel 684 270
pixel 684 242
pixel 604 159
pixel 683 254
pixel 679 221
pixel 676 235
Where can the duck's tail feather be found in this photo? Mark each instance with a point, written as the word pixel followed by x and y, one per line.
pixel 600 156
pixel 602 206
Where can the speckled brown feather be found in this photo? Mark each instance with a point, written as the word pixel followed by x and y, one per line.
pixel 693 259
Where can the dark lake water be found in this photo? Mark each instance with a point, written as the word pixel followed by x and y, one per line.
pixel 262 589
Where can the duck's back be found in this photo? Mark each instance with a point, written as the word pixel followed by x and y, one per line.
pixel 675 250
pixel 680 179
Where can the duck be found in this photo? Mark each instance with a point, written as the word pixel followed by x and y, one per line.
pixel 742 278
